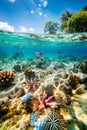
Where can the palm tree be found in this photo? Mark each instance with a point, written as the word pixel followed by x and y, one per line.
pixel 84 8
pixel 65 16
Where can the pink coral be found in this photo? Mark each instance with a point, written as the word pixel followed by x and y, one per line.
pixel 44 103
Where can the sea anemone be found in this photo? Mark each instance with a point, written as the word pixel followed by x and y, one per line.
pixel 51 122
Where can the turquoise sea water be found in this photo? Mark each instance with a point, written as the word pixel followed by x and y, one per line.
pixel 18 46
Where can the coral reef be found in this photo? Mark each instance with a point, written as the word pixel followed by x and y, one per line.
pixel 31 85
pixel 74 80
pixel 82 67
pixel 6 77
pixel 29 73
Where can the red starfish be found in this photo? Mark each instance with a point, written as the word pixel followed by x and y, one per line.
pixel 44 103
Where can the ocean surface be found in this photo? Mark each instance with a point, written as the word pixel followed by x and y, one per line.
pixel 25 46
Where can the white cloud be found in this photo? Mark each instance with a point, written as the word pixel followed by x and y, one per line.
pixel 24 29
pixel 45 3
pixel 12 1
pixel 6 26
pixel 31 29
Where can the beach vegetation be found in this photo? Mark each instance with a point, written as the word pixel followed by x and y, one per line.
pixel 64 18
pixel 51 27
pixel 78 22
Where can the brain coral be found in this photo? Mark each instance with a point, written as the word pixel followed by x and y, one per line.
pixel 6 77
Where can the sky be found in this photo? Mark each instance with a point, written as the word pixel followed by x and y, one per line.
pixel 31 15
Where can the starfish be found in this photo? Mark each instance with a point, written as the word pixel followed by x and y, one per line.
pixel 44 103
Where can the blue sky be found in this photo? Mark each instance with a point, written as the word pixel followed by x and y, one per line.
pixel 30 15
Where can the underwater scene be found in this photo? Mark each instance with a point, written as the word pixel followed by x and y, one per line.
pixel 43 81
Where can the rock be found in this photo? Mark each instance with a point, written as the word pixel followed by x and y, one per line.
pixel 4 110
pixel 49 89
pixel 80 89
pixel 19 92
pixel 17 68
pixel 84 80
pixel 82 67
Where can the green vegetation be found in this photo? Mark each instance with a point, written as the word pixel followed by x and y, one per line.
pixel 78 22
pixel 51 27
pixel 70 22
pixel 64 18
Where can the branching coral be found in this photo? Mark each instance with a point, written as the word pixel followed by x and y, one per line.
pixel 62 99
pixel 44 103
pixel 31 85
pixel 29 73
pixel 74 80
pixel 6 77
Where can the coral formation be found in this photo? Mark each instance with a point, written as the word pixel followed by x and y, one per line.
pixel 31 85
pixel 74 80
pixel 29 73
pixel 82 67
pixel 6 77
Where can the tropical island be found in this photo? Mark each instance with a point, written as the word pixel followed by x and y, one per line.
pixel 43 76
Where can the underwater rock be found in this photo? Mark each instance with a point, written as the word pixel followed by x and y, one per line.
pixel 42 63
pixel 3 110
pixel 49 88
pixel 81 67
pixel 84 80
pixel 80 89
pixel 26 97
pixel 74 80
pixel 58 66
pixel 65 88
pixel 17 68
pixel 19 91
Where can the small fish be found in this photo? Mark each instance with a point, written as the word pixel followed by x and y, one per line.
pixel 38 54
